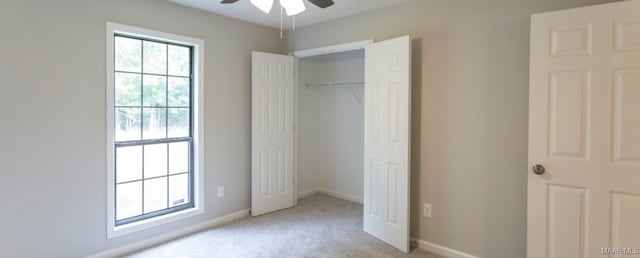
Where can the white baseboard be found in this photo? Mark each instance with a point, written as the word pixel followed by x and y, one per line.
pixel 330 193
pixel 441 250
pixel 120 251
pixel 340 195
pixel 307 193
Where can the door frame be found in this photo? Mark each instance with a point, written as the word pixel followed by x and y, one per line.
pixel 319 51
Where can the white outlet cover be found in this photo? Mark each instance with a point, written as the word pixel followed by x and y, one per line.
pixel 220 191
pixel 427 210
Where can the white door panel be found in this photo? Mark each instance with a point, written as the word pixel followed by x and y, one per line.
pixel 585 129
pixel 272 136
pixel 387 141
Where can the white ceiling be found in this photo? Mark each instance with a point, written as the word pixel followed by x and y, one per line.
pixel 244 10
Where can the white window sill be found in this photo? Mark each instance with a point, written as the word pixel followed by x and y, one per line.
pixel 116 231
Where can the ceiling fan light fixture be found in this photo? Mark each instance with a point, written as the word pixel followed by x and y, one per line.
pixel 293 7
pixel 263 5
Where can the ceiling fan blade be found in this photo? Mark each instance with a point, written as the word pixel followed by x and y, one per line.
pixel 228 1
pixel 322 3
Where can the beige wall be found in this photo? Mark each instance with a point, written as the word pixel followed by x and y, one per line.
pixel 470 109
pixel 53 118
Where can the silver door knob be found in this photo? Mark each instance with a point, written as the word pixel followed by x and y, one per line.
pixel 538 169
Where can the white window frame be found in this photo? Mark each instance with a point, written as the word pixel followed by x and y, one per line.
pixel 198 129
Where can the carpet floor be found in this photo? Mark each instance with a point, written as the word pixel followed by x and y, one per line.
pixel 319 226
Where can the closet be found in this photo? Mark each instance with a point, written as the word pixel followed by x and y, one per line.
pixel 331 125
pixel 336 120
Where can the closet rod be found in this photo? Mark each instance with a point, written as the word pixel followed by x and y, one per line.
pixel 349 85
pixel 336 84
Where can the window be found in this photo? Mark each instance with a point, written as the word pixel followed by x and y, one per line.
pixel 154 137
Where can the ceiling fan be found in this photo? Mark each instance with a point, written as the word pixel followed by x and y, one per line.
pixel 292 7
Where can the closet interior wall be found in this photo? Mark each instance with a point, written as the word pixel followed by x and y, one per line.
pixel 331 124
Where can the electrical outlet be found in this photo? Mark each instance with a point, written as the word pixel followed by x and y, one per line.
pixel 426 210
pixel 220 191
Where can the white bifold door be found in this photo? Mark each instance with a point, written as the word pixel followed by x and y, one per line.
pixel 584 132
pixel 387 130
pixel 272 135
pixel 386 133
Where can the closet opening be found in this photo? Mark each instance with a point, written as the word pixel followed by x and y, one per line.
pixel 330 125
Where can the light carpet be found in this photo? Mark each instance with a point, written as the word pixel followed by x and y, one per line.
pixel 319 226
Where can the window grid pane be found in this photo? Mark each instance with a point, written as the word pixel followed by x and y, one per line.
pixel 153 109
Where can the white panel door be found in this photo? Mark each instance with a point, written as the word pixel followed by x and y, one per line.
pixel 387 141
pixel 272 135
pixel 585 131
